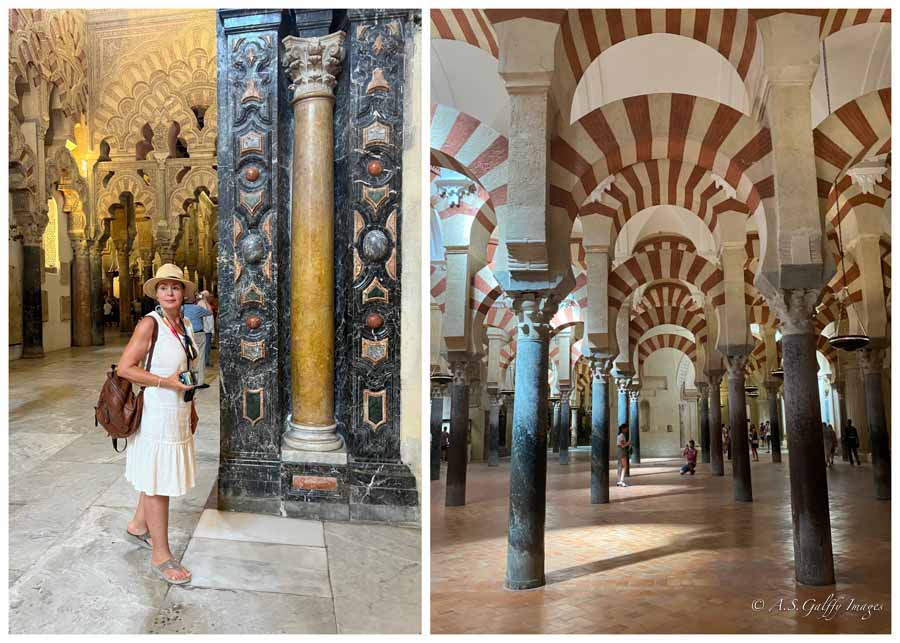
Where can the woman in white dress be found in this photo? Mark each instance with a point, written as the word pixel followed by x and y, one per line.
pixel 160 460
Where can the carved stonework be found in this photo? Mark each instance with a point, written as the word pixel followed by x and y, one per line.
pixel 737 365
pixel 871 360
pixel 313 64
pixel 796 309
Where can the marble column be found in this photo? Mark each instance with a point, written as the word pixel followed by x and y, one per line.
pixel 81 293
pixel 147 304
pixel 703 389
pixel 563 436
pixel 872 362
pixel 32 303
pixel 494 429
pixel 98 296
pixel 774 420
pixel 509 405
pixel 437 417
pixel 600 431
pixel 574 426
pixel 554 427
pixel 737 418
pixel 840 389
pixel 312 65
pixel 528 465
pixel 622 383
pixel 122 258
pixel 716 457
pixel 813 560
pixel 634 395
pixel 457 458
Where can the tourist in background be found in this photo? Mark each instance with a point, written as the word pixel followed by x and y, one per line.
pixel 690 458
pixel 726 441
pixel 623 445
pixel 209 323
pixel 830 444
pixel 754 443
pixel 852 436
pixel 195 314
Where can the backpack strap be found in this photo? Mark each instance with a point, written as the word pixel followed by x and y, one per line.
pixel 152 346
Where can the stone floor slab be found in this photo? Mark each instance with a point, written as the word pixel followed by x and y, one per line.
pixel 29 449
pixel 376 575
pixel 195 610
pixel 123 494
pixel 259 567
pixel 248 527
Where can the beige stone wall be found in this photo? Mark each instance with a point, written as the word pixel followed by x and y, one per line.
pixel 58 331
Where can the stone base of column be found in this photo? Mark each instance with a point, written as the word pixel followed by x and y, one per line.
pixel 315 485
pixel 305 437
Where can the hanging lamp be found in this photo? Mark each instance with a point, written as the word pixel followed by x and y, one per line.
pixel 848 342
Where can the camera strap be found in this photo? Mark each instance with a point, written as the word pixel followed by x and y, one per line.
pixel 183 344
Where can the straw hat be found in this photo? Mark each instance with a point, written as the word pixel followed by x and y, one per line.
pixel 168 272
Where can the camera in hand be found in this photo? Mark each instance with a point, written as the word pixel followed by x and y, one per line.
pixel 188 378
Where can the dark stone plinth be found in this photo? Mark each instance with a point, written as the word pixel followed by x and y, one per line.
pixel 528 466
pixel 813 560
pixel 635 429
pixel 599 440
pixel 316 490
pixel 879 443
pixel 704 429
pixel 249 484
pixel 565 431
pixel 775 427
pixel 716 457
pixel 457 456
pixel 740 446
pixel 32 307
pixel 437 413
pixel 383 491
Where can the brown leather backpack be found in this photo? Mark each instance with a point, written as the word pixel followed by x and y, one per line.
pixel 119 410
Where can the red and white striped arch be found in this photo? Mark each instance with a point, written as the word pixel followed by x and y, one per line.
pixel 571 311
pixel 663 182
pixel 466 145
pixel 470 216
pixel 466 25
pixel 586 33
pixel 439 285
pixel 502 317
pixel 846 195
pixel 855 131
pixel 832 20
pixel 647 267
pixel 692 130
pixel 660 242
pixel 666 340
pixel 484 292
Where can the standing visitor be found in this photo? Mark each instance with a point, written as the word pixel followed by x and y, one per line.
pixel 161 461
pixel 209 324
pixel 726 441
pixel 107 312
pixel 852 442
pixel 754 443
pixel 197 314
pixel 623 445
pixel 830 444
pixel 445 444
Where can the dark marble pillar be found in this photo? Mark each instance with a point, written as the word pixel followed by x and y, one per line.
pixel 122 257
pixel 494 430
pixel 872 360
pixel 634 396
pixel 437 418
pixel 554 427
pixel 32 305
pixel 564 436
pixel 813 559
pixel 623 383
pixel 737 417
pixel 81 293
pixel 98 296
pixel 528 466
pixel 839 388
pixel 600 431
pixel 703 388
pixel 457 458
pixel 774 420
pixel 716 457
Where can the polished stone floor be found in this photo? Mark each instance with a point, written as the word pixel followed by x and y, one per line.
pixel 669 554
pixel 71 571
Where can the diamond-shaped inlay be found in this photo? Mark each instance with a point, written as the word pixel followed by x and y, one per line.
pixel 375 196
pixel 251 92
pixel 251 142
pixel 252 295
pixel 376 134
pixel 374 408
pixel 253 351
pixel 254 405
pixel 266 227
pixel 375 291
pixel 237 230
pixel 374 352
pixel 252 201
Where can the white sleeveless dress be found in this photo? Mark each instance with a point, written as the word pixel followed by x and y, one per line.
pixel 160 460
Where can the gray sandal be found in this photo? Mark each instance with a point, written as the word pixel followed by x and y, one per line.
pixel 170 564
pixel 141 541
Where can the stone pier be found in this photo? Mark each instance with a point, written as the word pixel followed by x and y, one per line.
pixel 737 418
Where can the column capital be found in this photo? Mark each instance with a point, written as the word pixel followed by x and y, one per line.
pixel 772 387
pixel 871 360
pixel 715 377
pixel 600 367
pixel 313 64
pixel 623 382
pixel 634 393
pixel 703 387
pixel 534 312
pixel 81 247
pixel 795 309
pixel 737 363
pixel 459 371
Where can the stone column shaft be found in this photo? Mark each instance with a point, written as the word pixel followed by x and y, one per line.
pixel 774 422
pixel 437 416
pixel 564 429
pixel 635 426
pixel 97 296
pixel 494 428
pixel 737 417
pixel 704 422
pixel 871 361
pixel 528 465
pixel 81 294
pixel 459 435
pixel 32 303
pixel 312 64
pixel 122 258
pixel 600 434
pixel 716 457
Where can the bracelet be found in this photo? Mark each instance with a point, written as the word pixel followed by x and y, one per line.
pixel 158 381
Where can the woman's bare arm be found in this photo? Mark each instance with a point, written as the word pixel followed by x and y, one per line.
pixel 135 351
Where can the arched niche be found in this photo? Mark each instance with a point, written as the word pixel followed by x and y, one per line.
pixel 657 63
pixel 661 219
pixel 466 77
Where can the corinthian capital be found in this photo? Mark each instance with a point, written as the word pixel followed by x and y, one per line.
pixel 313 64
